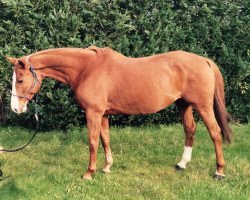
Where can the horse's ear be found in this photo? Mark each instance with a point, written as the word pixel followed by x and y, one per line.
pixel 21 64
pixel 14 61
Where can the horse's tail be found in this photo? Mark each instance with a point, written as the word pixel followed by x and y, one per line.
pixel 221 114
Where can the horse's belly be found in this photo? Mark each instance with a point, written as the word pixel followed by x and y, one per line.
pixel 144 92
pixel 139 105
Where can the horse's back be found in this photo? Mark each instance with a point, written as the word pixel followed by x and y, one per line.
pixel 149 84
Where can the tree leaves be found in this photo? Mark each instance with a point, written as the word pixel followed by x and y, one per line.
pixel 216 29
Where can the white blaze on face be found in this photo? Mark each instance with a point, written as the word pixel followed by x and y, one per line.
pixel 15 103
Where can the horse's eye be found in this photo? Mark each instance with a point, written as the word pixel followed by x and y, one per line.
pixel 19 81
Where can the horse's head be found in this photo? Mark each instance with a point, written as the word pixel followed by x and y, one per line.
pixel 25 84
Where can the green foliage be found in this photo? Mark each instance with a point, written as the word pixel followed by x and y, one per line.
pixel 216 29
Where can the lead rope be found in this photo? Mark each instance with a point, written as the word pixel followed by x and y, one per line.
pixel 20 148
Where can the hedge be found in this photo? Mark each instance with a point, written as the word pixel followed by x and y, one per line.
pixel 216 29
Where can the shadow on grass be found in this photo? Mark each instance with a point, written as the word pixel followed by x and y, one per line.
pixel 10 190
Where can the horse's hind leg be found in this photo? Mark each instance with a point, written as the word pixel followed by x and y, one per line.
pixel 207 114
pixel 105 138
pixel 189 125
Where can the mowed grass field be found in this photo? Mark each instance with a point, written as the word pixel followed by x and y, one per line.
pixel 144 158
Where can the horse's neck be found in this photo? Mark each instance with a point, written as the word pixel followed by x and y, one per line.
pixel 63 67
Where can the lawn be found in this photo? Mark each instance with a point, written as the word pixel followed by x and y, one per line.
pixel 51 166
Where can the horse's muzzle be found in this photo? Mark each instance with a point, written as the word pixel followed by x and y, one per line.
pixel 18 106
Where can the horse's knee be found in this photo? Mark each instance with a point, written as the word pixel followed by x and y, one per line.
pixel 93 146
pixel 190 128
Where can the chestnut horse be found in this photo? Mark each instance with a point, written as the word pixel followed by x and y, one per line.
pixel 106 82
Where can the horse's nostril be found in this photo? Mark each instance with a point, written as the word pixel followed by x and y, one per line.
pixel 15 109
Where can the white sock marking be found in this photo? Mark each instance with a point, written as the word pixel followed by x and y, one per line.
pixel 217 173
pixel 109 158
pixel 186 157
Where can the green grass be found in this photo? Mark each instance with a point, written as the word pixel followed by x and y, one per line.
pixel 51 166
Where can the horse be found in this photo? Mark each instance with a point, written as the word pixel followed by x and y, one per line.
pixel 106 82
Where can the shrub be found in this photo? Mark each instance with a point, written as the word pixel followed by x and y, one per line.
pixel 138 28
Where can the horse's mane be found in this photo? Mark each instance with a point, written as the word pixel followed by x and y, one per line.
pixel 58 50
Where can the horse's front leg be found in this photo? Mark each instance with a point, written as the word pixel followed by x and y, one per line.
pixel 105 137
pixel 94 127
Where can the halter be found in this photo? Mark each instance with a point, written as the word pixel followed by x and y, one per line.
pixel 34 82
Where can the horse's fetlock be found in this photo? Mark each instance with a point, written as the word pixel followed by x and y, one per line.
pixel 92 170
pixel 220 165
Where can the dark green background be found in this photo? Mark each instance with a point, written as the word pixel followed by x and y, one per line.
pixel 216 29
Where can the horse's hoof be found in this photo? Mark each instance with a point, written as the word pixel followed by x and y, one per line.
pixel 87 177
pixel 106 170
pixel 219 177
pixel 178 168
